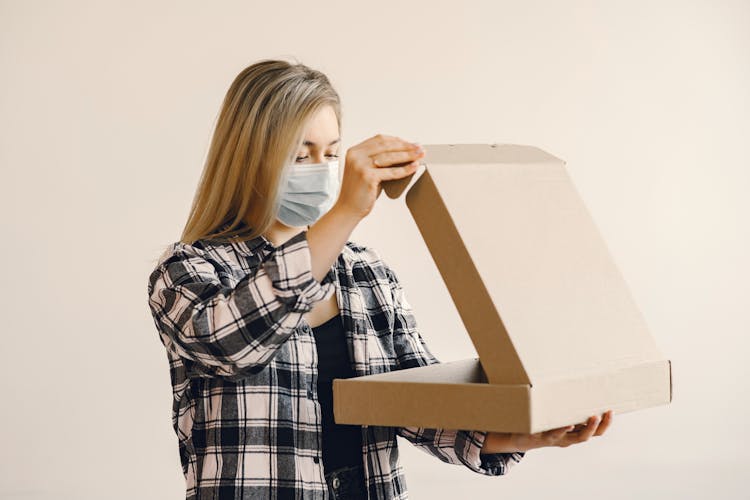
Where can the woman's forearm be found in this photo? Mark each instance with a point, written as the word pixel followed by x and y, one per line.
pixel 327 237
pixel 498 442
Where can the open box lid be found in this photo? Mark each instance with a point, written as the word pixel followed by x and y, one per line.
pixel 528 270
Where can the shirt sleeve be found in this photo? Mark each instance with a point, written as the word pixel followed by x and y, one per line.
pixel 453 446
pixel 233 331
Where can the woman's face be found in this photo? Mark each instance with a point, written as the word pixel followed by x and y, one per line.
pixel 321 139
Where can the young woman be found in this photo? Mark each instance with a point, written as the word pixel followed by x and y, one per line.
pixel 264 300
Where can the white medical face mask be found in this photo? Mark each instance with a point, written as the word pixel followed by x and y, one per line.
pixel 308 191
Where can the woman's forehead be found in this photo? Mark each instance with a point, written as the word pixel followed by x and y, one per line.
pixel 322 130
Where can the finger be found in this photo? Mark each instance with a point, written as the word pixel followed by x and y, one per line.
pixel 558 430
pixel 386 174
pixel 577 428
pixel 389 158
pixel 604 425
pixel 554 435
pixel 591 425
pixel 581 433
pixel 381 143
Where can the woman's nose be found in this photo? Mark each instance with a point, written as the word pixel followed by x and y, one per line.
pixel 317 157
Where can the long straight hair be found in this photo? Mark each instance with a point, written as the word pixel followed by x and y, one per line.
pixel 258 132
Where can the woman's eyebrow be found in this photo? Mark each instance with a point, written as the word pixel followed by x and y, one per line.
pixel 310 143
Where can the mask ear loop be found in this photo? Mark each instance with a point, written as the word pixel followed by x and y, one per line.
pixel 338 178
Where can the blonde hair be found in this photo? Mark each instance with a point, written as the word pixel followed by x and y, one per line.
pixel 258 131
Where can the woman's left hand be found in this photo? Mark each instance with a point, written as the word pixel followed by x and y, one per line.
pixel 499 442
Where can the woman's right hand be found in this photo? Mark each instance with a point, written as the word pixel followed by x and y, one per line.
pixel 364 171
pixel 360 187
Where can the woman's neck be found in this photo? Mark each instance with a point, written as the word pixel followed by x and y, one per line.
pixel 278 233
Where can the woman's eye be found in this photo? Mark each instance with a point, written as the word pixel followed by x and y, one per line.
pixel 300 158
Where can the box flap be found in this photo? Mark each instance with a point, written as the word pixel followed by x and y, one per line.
pixel 524 262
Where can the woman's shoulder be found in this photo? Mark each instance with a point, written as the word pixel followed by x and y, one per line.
pixel 179 249
pixel 198 255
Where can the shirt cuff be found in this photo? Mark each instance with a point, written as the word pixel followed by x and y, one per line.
pixel 491 464
pixel 290 268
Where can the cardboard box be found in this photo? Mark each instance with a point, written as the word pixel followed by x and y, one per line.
pixel 558 334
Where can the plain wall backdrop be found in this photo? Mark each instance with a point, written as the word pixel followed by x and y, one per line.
pixel 106 112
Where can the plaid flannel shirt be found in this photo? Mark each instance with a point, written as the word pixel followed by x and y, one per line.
pixel 243 367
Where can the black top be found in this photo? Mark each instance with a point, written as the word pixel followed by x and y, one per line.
pixel 342 444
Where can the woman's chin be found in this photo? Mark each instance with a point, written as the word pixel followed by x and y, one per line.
pixel 287 226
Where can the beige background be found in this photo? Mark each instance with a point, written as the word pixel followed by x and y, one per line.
pixel 106 111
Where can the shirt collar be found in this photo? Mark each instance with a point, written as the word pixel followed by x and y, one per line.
pixel 253 245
